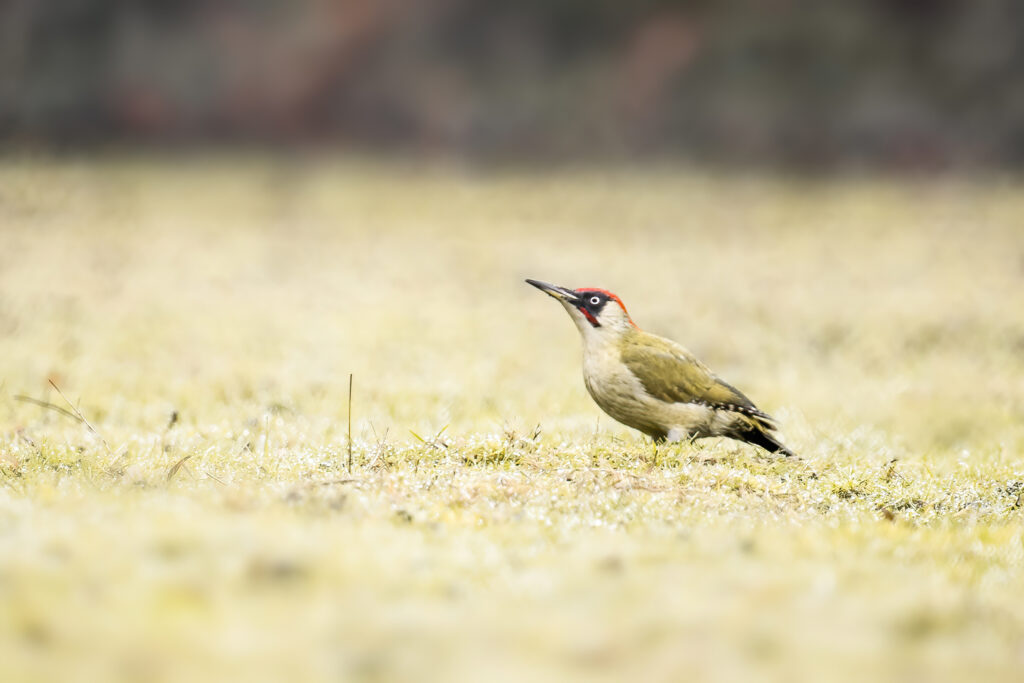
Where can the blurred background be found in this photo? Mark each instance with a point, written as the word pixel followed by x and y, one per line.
pixel 820 199
pixel 808 84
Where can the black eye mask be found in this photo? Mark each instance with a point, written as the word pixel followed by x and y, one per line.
pixel 589 308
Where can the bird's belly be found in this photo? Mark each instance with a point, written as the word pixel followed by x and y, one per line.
pixel 622 396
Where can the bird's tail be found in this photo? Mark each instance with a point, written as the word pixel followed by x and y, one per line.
pixel 767 441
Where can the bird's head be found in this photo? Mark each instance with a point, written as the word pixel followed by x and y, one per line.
pixel 597 312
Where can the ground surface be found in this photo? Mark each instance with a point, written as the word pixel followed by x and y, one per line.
pixel 494 524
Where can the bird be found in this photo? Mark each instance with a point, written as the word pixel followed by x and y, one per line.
pixel 652 384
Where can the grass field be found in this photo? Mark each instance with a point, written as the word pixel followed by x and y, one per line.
pixel 203 525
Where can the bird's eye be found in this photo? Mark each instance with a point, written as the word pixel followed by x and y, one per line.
pixel 595 300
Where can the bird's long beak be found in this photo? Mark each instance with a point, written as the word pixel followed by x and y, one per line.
pixel 560 293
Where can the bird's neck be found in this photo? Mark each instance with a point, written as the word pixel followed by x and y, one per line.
pixel 600 340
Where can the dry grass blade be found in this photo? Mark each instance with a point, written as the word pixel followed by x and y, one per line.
pixel 48 406
pixel 350 423
pixel 177 466
pixel 82 418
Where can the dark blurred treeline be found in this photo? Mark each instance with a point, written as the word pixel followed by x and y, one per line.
pixel 807 83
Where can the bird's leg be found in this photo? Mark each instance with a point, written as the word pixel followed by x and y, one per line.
pixel 681 440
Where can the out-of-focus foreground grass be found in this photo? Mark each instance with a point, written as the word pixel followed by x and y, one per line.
pixel 494 524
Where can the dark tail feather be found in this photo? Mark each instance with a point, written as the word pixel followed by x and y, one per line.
pixel 766 441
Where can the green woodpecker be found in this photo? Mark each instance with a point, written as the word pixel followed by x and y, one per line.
pixel 652 384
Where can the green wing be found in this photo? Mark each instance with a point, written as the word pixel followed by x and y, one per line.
pixel 670 373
